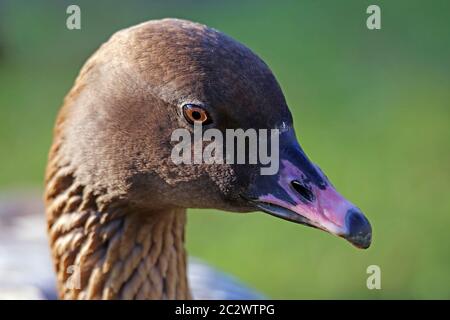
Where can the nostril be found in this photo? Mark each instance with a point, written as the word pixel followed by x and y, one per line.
pixel 303 190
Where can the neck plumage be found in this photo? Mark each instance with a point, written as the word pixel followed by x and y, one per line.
pixel 111 251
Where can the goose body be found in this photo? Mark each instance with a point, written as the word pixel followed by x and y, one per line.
pixel 116 202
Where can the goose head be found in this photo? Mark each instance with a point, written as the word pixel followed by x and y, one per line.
pixel 116 129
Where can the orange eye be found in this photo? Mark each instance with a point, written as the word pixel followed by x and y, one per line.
pixel 194 113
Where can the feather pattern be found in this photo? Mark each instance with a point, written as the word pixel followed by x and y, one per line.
pixel 26 270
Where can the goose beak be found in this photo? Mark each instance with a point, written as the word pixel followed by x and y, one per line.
pixel 301 193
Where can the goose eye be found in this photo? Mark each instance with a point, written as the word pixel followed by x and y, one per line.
pixel 194 113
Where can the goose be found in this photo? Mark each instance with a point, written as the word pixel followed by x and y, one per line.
pixel 116 202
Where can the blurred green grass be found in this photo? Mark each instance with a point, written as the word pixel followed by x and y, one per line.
pixel 370 107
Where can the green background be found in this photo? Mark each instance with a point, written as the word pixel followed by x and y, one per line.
pixel 370 107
